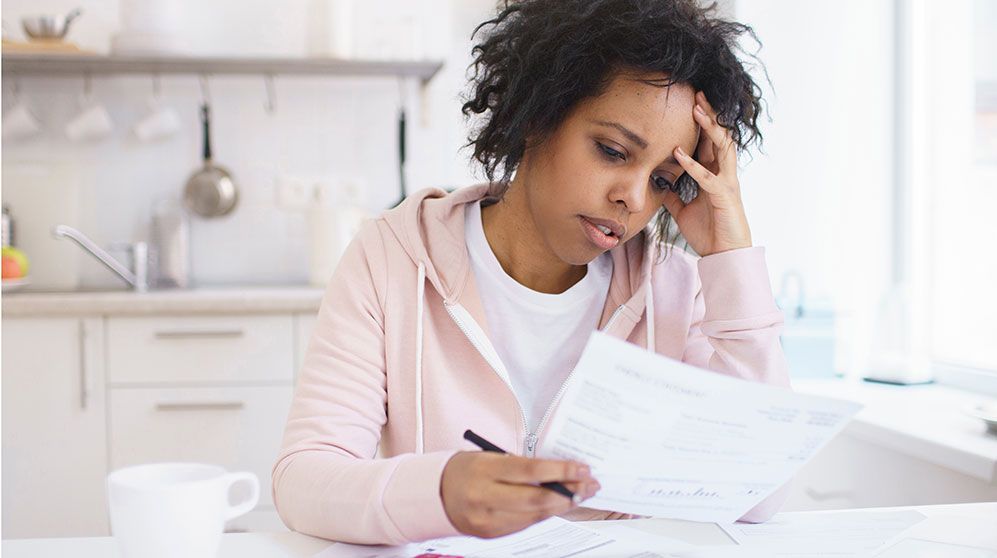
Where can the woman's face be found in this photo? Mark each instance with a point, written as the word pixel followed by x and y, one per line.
pixel 607 167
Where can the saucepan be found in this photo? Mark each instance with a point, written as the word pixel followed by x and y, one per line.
pixel 210 191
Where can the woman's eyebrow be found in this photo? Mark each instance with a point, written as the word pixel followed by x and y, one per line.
pixel 630 135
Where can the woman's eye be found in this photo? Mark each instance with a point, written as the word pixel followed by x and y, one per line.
pixel 661 183
pixel 611 153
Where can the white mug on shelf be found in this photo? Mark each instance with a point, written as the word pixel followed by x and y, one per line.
pixel 18 122
pixel 161 122
pixel 173 510
pixel 92 122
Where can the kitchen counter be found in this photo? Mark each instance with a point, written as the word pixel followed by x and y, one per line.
pixel 213 300
pixel 928 422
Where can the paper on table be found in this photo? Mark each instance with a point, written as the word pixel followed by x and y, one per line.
pixel 944 536
pixel 824 533
pixel 553 538
pixel 668 439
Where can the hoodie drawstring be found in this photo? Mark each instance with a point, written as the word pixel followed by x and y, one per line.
pixel 420 293
pixel 649 314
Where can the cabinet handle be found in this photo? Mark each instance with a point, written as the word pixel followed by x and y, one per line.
pixel 217 334
pixel 207 406
pixel 84 381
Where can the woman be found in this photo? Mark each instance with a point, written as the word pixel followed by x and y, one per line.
pixel 469 310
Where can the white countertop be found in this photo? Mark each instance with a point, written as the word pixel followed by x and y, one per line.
pixel 296 545
pixel 928 422
pixel 212 300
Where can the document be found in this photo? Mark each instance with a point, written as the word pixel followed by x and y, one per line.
pixel 668 439
pixel 852 533
pixel 552 538
pixel 945 536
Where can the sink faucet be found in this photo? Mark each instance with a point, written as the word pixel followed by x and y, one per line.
pixel 140 251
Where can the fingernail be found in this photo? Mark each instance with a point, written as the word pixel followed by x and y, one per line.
pixel 592 489
pixel 700 110
pixel 582 472
pixel 681 152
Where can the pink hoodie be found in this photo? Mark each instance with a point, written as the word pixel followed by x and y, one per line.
pixel 400 358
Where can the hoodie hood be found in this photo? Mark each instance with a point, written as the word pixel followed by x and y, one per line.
pixel 430 226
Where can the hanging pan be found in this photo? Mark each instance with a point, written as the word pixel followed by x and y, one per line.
pixel 210 191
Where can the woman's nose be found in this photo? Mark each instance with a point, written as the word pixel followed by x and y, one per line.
pixel 632 193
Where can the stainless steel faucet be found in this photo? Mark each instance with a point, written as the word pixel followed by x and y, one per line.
pixel 138 279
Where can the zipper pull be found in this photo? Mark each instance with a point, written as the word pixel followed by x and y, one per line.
pixel 531 444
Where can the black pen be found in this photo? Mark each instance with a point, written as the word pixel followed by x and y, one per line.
pixel 488 446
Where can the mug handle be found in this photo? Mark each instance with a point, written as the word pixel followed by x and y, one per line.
pixel 250 502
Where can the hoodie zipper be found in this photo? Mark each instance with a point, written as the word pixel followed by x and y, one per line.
pixel 564 386
pixel 530 439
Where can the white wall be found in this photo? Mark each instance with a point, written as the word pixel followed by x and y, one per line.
pixel 323 126
pixel 819 199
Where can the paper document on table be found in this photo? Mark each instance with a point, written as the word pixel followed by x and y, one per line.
pixel 552 538
pixel 799 535
pixel 668 439
pixel 944 535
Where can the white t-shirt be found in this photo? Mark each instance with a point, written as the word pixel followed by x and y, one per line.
pixel 538 336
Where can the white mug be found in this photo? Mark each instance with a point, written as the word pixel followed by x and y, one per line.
pixel 91 123
pixel 18 122
pixel 174 510
pixel 161 122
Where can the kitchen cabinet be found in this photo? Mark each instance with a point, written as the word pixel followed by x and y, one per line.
pixel 54 427
pixel 200 350
pixel 237 427
pixel 97 381
pixel 209 389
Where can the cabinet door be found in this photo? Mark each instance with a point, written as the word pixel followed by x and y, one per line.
pixel 54 428
pixel 239 428
pixel 200 350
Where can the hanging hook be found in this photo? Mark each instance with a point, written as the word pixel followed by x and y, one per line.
pixel 402 94
pixel 205 91
pixel 271 91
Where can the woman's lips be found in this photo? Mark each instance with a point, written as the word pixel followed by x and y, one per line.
pixel 597 236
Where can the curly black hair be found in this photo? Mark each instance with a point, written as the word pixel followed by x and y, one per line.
pixel 541 57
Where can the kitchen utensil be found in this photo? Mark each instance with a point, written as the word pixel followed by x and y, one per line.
pixel 169 237
pixel 161 122
pixel 49 27
pixel 210 191
pixel 93 122
pixel 19 122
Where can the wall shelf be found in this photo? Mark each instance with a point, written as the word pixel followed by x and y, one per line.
pixel 94 65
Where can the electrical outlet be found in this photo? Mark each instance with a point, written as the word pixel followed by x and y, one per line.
pixel 294 192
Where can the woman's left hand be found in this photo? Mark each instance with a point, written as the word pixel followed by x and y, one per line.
pixel 714 222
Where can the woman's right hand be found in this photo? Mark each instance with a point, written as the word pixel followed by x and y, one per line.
pixel 488 494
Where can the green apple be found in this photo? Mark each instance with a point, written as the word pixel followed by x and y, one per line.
pixel 18 256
